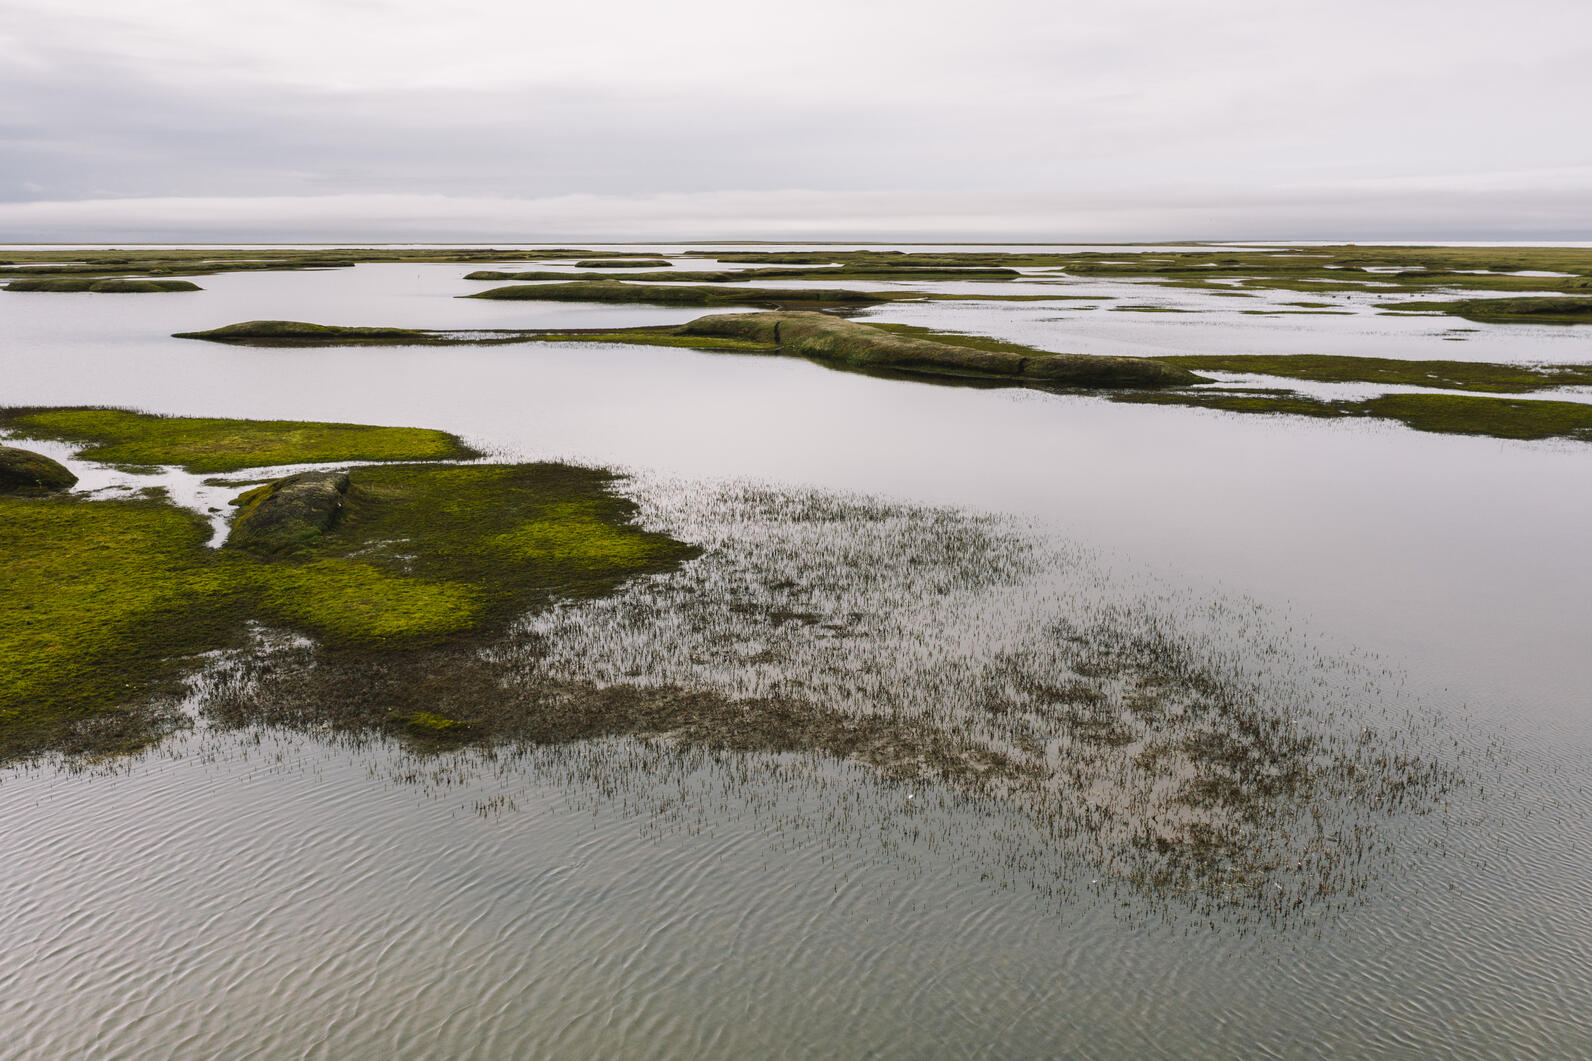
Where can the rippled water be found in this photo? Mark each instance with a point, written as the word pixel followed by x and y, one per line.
pixel 262 891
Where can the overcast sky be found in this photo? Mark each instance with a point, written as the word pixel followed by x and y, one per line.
pixel 514 120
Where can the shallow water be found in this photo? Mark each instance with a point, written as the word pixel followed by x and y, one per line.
pixel 269 891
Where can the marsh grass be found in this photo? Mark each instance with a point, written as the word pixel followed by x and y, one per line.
pixel 1453 375
pixel 203 445
pixel 1449 414
pixel 1182 750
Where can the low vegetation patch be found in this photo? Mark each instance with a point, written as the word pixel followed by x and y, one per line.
pixel 109 603
pixel 202 445
pixel 1448 375
pixel 1541 310
pixel 625 263
pixel 835 340
pixel 663 295
pixel 1449 414
pixel 118 287
pixel 298 333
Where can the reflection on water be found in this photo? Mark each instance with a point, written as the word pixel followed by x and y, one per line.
pixel 251 889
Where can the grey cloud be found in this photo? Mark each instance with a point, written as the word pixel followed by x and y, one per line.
pixel 1258 118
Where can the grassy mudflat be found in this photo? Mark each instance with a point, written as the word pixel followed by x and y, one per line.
pixel 118 287
pixel 833 339
pixel 201 445
pixel 145 262
pixel 1448 414
pixel 1318 269
pixel 664 295
pixel 1448 375
pixel 726 276
pixel 298 333
pixel 819 336
pixel 109 603
pixel 1540 310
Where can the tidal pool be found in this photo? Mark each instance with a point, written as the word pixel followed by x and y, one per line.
pixel 249 887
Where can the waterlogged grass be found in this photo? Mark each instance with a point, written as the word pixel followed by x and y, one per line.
pixel 1540 310
pixel 108 603
pixel 945 655
pixel 204 445
pixel 1449 375
pixel 104 605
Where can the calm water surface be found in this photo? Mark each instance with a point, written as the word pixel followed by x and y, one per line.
pixel 274 894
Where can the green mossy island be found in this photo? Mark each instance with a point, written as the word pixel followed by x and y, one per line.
pixel 730 276
pixel 832 339
pixel 203 445
pixel 115 287
pixel 109 603
pixel 24 470
pixel 1541 310
pixel 298 333
pixel 662 295
pixel 1448 414
pixel 625 263
pixel 1447 375
pixel 893 348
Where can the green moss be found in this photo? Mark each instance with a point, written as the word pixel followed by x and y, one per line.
pixel 1456 414
pixel 108 603
pixel 348 602
pixel 653 337
pixel 1449 375
pixel 732 276
pixel 202 445
pixel 663 295
pixel 865 347
pixel 1451 414
pixel 298 333
pixel 1274 401
pixel 625 263
pixel 105 603
pixel 118 287
pixel 428 724
pixel 1542 310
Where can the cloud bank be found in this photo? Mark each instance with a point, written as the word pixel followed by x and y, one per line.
pixel 1140 119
